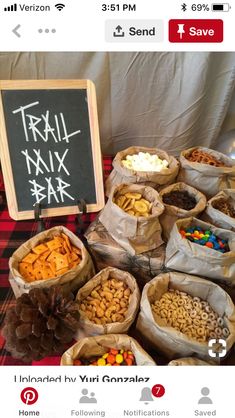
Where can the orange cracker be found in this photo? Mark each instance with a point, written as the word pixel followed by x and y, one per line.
pixel 38 263
pixel 47 273
pixel 52 266
pixel 73 264
pixel 30 258
pixel 61 271
pixel 76 250
pixel 66 238
pixel 38 273
pixel 53 244
pixel 27 272
pixel 74 256
pixel 39 249
pixel 44 256
pixel 60 260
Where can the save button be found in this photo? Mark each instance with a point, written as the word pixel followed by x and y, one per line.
pixel 195 30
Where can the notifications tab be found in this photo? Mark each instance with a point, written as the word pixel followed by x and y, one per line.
pixel 196 30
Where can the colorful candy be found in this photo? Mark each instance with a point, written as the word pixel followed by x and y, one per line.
pixel 199 236
pixel 112 358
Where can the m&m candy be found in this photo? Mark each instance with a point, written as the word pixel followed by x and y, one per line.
pixel 206 238
pixel 112 358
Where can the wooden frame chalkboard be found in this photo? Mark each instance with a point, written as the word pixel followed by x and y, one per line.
pixel 50 147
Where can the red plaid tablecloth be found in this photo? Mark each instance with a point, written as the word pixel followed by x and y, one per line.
pixel 12 235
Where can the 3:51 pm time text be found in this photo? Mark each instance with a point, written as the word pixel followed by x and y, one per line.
pixel 112 7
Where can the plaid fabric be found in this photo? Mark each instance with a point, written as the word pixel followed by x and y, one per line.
pixel 12 235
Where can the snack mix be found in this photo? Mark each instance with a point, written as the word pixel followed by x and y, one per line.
pixel 225 206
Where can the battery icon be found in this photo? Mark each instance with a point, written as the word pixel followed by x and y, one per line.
pixel 220 7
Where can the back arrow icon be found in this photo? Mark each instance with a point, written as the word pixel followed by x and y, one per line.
pixel 15 31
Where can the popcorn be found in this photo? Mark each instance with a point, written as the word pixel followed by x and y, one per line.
pixel 143 161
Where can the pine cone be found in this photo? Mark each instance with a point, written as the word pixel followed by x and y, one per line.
pixel 41 323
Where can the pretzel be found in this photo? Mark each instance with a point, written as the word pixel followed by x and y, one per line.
pixel 202 157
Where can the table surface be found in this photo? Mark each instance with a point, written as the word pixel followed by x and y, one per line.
pixel 12 235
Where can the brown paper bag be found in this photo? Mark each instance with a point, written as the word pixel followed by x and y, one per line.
pixel 206 178
pixel 99 345
pixel 186 256
pixel 172 213
pixel 188 361
pixel 135 234
pixel 107 252
pixel 215 216
pixel 88 328
pixel 73 279
pixel 167 339
pixel 121 174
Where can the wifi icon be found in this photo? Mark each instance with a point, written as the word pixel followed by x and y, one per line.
pixel 60 6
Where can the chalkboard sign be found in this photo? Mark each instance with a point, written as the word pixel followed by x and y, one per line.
pixel 50 148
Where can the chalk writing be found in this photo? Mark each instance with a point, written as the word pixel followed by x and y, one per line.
pixel 46 127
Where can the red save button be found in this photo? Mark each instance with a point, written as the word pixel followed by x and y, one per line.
pixel 196 30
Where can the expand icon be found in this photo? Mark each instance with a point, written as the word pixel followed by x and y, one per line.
pixel 217 348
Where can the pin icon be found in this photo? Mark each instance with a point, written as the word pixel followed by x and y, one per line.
pixel 29 396
pixel 181 29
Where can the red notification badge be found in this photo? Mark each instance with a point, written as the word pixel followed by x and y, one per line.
pixel 158 391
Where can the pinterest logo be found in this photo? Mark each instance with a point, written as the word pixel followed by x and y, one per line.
pixel 29 396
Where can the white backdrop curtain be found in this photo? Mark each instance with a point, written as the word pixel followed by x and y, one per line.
pixel 172 100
